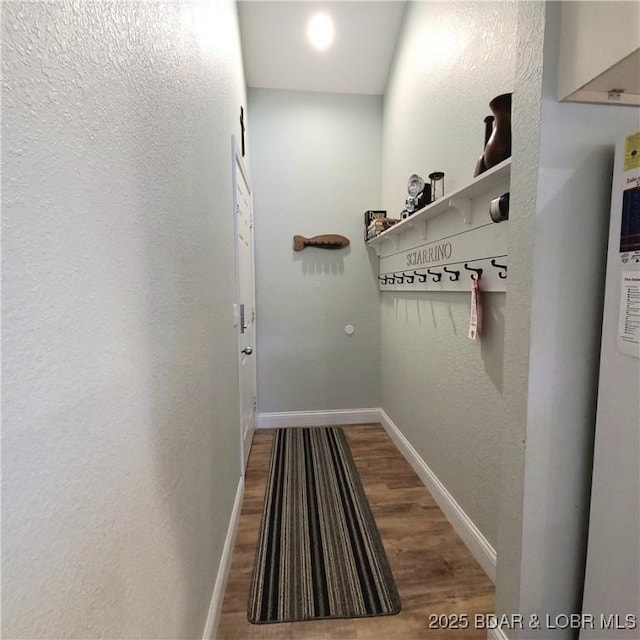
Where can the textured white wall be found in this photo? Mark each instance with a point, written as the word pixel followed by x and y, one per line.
pixel 120 407
pixel 524 180
pixel 451 60
pixel 561 183
pixel 444 391
pixel 316 167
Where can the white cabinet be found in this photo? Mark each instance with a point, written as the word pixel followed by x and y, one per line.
pixel 599 52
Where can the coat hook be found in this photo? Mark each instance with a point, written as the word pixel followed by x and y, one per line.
pixel 410 278
pixel 422 277
pixel 478 272
pixel 455 275
pixel 503 273
pixel 436 275
pixel 399 278
pixel 390 279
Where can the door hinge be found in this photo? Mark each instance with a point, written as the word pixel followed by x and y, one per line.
pixel 242 326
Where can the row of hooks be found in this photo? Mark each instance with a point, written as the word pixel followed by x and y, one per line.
pixel 436 276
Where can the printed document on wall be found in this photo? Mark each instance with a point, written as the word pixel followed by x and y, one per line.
pixel 628 337
pixel 629 314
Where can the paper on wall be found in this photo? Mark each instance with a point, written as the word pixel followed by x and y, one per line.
pixel 628 338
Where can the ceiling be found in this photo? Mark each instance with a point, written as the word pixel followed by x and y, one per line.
pixel 277 54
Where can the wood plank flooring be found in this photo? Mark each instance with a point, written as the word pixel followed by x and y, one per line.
pixel 434 571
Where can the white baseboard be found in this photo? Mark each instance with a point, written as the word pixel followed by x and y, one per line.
pixel 213 618
pixel 317 418
pixel 496 634
pixel 479 546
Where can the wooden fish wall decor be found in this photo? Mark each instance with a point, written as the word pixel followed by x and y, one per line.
pixel 325 241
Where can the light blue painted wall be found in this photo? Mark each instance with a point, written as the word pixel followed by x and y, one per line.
pixel 561 181
pixel 316 169
pixel 120 414
pixel 444 391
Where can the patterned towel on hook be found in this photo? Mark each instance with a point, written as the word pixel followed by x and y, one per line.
pixel 475 315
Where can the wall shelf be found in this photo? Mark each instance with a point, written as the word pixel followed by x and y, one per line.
pixel 430 251
pixel 459 201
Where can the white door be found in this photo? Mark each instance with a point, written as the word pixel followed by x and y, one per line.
pixel 245 307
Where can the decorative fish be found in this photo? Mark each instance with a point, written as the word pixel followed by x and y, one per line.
pixel 325 241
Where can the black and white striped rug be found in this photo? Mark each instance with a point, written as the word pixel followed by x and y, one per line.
pixel 319 554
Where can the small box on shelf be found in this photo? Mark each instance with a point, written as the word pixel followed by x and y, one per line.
pixel 370 216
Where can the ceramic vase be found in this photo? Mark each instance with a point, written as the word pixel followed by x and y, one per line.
pixel 498 146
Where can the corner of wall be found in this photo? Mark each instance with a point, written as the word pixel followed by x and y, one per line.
pixel 524 185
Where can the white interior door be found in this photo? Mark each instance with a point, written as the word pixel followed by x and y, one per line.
pixel 245 307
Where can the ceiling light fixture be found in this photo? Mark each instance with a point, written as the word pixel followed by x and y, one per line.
pixel 320 31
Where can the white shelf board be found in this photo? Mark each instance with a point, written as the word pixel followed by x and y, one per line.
pixel 459 200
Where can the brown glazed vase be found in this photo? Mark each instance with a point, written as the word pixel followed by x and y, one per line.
pixel 488 130
pixel 499 146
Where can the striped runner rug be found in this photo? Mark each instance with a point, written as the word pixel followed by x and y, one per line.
pixel 319 554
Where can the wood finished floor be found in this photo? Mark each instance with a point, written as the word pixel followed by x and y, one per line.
pixel 434 571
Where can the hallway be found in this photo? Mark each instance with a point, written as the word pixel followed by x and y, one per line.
pixel 434 571
pixel 122 465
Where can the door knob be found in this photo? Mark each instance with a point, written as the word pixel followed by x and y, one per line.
pixel 247 351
